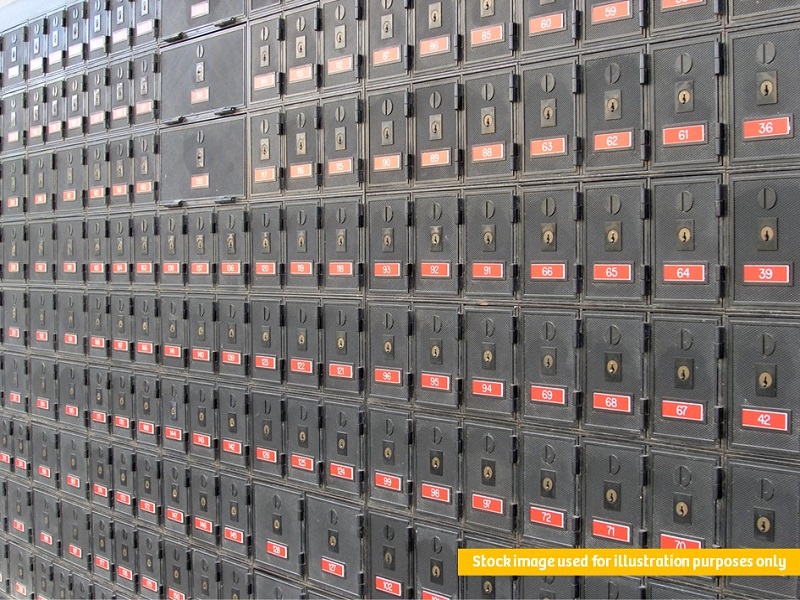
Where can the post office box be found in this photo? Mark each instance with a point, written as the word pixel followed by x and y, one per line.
pixel 302 41
pixel 76 534
pixel 15 120
pixel 173 414
pixel 390 436
pixel 267 75
pixel 98 250
pixel 616 396
pixel 234 337
pixel 205 568
pixel 389 116
pixel 147 402
pixel 760 406
pixel 268 586
pixel 98 99
pixel 71 173
pixel 15 56
pixel 121 315
pixel 124 459
pixel 99 403
pixel 42 251
pixel 176 496
pixel 551 390
pixel 389 245
pixel 607 20
pixel 233 247
pixel 145 248
pixel 435 561
pixel 437 450
pixel 174 339
pixel 73 405
pixel 390 556
pixel 671 14
pixel 41 183
pixel 204 504
pixel 303 148
pixel 234 412
pixel 344 447
pixel 145 88
pixel 203 161
pixel 15 251
pixel 762 116
pixel 438 43
pixel 20 570
pixel 120 93
pixel 344 343
pixel 6 444
pixel 335 539
pixel 149 564
pixel 74 465
pixel 761 501
pixel 97 182
pixel 20 508
pixel 342 121
pixel 686 383
pixel 303 423
pixel 489 243
pixel 685 98
pixel 613 587
pixel 552 143
pixel 266 326
pixel 42 577
pixel 120 232
pixel 38 111
pixel 269 447
pixel 203 336
pixel 178 567
pixel 488 586
pixel 278 529
pixel 189 16
pixel 71 250
pixel 172 246
pixel 206 75
pixel 235 515
pixel 148 488
pixel 44 454
pixel 14 186
pixel 615 241
pixel 15 383
pixel 37 47
pixel 266 152
pixel 62 582
pixel 47 517
pixel 77 105
pixel 547 585
pixel 147 20
pixel 490 123
pixel 342 223
pixel 613 482
pixel 665 589
pixel 613 104
pixel 23 448
pixel 490 340
pixel 15 313
pixel 101 474
pixel 491 32
pixel 437 242
pixel 303 252
pixel 103 592
pixel 390 330
pixel 72 322
pixel 389 53
pixel 57 111
pixel 685 500
pixel 44 388
pixel 438 372
pixel 266 226
pixel 146 161
pixel 550 25
pixel 236 581
pixel 98 28
pixel 123 406
pixel 57 40
pixel 120 25
pixel 437 115
pixel 549 493
pixel 303 352
pixel 743 10
pixel 342 38
pixel 203 420
pixel 687 240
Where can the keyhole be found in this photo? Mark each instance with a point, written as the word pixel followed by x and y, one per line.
pixel 764 524
pixel 488 238
pixel 388 558
pixel 387 347
pixel 612 367
pixel 276 524
pixel 436 463
pixel 547 484
pixel 342 444
pixel 487 587
pixel 488 356
pixel 387 453
pixel 435 239
pixel 611 496
pixel 387 27
pixel 302 436
pixel 683 373
pixel 612 236
pixel 340 241
pixel 435 16
pixel 766 88
pixel 548 237
pixel 436 572
pixel 547 113
pixel 488 121
pixel 488 472
pixel 612 105
pixel 684 96
pixel 685 234
pixel 681 509
pixel 301 339
pixel 435 127
pixel 767 233
pixel 340 343
pixel 436 351
pixel 387 240
pixel 547 361
pixel 765 379
pixel 332 541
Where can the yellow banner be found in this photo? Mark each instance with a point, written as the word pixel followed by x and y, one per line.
pixel 653 562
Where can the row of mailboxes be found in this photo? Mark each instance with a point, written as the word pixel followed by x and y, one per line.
pixel 552 491
pixel 608 371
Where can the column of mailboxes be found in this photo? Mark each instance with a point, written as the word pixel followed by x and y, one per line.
pixel 422 277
